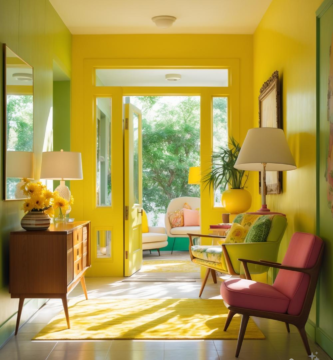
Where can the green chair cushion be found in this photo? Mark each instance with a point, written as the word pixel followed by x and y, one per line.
pixel 238 219
pixel 210 253
pixel 259 231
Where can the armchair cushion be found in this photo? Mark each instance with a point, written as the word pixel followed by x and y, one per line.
pixel 236 234
pixel 259 231
pixel 184 230
pixel 249 294
pixel 153 237
pixel 210 253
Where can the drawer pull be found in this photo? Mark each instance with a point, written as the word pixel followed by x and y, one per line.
pixel 78 266
pixel 77 236
pixel 77 252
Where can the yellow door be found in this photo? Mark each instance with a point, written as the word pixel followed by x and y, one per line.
pixel 133 189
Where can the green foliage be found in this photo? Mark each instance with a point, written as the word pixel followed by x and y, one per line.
pixel 170 146
pixel 223 171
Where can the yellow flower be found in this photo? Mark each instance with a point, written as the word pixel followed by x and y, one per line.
pixel 61 203
pixel 38 201
pixel 49 212
pixel 27 206
pixel 48 194
pixel 71 201
pixel 33 189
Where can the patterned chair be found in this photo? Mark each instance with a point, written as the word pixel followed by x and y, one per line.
pixel 224 257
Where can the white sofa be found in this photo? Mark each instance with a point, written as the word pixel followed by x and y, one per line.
pixel 155 239
pixel 177 204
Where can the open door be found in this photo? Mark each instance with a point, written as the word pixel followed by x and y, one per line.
pixel 133 189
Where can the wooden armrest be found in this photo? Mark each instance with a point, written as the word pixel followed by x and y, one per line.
pixel 207 236
pixel 270 262
pixel 274 265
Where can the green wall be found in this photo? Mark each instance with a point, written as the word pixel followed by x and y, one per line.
pixel 33 30
pixel 324 321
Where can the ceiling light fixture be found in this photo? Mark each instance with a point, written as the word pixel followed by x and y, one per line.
pixel 22 76
pixel 173 77
pixel 164 21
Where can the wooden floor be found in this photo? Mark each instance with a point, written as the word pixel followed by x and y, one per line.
pixel 279 345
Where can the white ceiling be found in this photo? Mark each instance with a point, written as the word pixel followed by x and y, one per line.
pixel 134 16
pixel 156 77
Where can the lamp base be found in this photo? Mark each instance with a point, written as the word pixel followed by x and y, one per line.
pixel 264 208
pixel 64 192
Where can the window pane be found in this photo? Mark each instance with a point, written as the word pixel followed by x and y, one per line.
pixel 136 157
pixel 103 153
pixel 103 243
pixel 220 135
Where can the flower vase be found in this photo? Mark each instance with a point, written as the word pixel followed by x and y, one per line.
pixel 61 217
pixel 35 220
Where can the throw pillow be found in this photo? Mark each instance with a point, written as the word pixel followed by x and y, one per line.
pixel 259 231
pixel 238 219
pixel 236 234
pixel 176 218
pixel 191 217
pixel 187 206
pixel 145 228
pixel 249 219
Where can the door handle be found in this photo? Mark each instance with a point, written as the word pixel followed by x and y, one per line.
pixel 140 211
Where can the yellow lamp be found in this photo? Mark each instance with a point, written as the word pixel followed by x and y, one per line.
pixel 194 175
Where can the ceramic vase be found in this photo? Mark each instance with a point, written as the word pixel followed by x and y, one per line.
pixel 35 220
pixel 236 201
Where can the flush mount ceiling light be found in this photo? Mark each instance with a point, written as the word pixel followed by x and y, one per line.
pixel 164 21
pixel 22 76
pixel 173 77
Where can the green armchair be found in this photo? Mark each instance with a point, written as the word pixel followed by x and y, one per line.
pixel 224 257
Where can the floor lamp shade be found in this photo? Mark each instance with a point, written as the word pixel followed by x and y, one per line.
pixel 61 165
pixel 265 149
pixel 19 164
pixel 194 175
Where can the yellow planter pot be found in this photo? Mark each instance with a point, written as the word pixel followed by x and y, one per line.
pixel 236 201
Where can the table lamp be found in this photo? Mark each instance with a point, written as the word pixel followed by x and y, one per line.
pixel 265 149
pixel 19 164
pixel 62 165
pixel 194 175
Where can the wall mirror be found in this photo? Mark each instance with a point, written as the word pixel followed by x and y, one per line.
pixel 18 124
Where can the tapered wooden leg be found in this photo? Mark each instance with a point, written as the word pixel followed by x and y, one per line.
pixel 213 272
pixel 20 307
pixel 173 245
pixel 231 314
pixel 149 251
pixel 245 320
pixel 65 305
pixel 159 253
pixel 84 287
pixel 288 328
pixel 305 340
pixel 204 282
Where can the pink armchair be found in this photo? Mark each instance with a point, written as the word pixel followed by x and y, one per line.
pixel 289 299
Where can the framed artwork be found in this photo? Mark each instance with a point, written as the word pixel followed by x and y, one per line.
pixel 270 116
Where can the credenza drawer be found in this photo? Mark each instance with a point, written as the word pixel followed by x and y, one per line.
pixel 77 267
pixel 84 233
pixel 77 236
pixel 77 251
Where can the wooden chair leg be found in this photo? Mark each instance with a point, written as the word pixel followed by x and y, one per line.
pixel 245 320
pixel 19 313
pixel 231 314
pixel 159 253
pixel 204 282
pixel 84 287
pixel 213 272
pixel 305 340
pixel 65 305
pixel 288 328
pixel 173 245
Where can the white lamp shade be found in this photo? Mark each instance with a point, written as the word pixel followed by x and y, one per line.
pixel 61 165
pixel 265 146
pixel 19 164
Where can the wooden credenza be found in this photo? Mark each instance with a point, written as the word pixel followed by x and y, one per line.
pixel 49 264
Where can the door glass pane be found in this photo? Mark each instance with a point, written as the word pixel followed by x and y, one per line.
pixel 136 157
pixel 103 152
pixel 103 243
pixel 220 135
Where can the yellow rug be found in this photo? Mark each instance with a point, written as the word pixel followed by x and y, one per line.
pixel 158 319
pixel 169 266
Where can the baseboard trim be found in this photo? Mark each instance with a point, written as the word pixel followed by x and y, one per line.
pixel 7 328
pixel 310 328
pixel 325 341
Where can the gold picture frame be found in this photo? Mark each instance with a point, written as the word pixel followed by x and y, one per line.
pixel 270 116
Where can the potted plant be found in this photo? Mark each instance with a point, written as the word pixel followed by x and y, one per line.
pixel 236 199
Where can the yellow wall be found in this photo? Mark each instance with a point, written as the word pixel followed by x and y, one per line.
pixel 33 30
pixel 285 40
